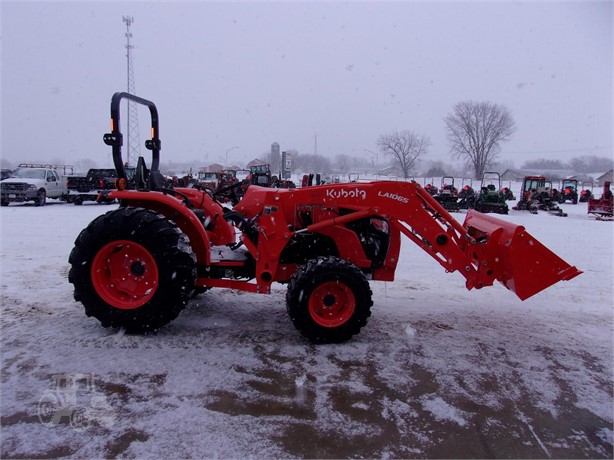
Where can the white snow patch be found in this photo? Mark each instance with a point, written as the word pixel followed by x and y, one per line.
pixel 409 331
pixel 441 410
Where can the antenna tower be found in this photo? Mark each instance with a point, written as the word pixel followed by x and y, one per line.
pixel 133 142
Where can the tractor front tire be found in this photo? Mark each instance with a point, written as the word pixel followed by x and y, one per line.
pixel 132 268
pixel 329 300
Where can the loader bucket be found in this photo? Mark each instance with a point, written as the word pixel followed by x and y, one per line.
pixel 516 259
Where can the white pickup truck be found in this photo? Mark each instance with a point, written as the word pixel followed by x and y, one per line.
pixel 33 182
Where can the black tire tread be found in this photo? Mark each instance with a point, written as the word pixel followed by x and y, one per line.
pixel 169 246
pixel 307 277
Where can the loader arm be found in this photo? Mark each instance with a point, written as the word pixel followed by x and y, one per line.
pixel 483 249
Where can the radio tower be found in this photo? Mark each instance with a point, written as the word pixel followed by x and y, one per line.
pixel 133 142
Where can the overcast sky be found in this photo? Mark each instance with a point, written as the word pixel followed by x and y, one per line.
pixel 250 74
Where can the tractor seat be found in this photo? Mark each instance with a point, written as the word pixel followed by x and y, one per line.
pixel 146 179
pixel 156 180
pixel 141 173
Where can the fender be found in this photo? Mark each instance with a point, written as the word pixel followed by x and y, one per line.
pixel 173 209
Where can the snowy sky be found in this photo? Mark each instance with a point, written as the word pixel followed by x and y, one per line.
pixel 250 74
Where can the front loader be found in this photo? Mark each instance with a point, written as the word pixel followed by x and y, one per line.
pixel 137 267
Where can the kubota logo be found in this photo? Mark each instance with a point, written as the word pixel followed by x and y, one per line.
pixel 343 193
pixel 393 196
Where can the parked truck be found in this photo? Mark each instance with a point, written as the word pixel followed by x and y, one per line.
pixel 88 187
pixel 35 182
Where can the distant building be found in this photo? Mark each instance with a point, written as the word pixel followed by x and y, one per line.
pixel 607 177
pixel 215 167
pixel 255 161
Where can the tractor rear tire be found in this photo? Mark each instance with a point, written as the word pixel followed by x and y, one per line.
pixel 132 268
pixel 329 300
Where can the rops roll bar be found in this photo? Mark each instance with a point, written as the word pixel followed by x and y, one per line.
pixel 115 138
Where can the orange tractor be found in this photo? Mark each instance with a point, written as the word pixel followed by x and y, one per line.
pixel 537 194
pixel 138 266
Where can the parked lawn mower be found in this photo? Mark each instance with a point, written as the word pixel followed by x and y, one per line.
pixel 466 196
pixel 507 192
pixel 586 193
pixel 536 195
pixel 491 199
pixel 448 194
pixel 137 267
pixel 430 186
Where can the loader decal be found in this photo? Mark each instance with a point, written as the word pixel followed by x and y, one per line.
pixel 393 196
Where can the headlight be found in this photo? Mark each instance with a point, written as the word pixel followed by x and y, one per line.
pixel 380 225
pixel 32 187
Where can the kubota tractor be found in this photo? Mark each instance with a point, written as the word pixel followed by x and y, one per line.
pixel 569 191
pixel 536 195
pixel 137 267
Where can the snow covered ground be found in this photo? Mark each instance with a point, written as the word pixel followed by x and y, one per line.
pixel 438 372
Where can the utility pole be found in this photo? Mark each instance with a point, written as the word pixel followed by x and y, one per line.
pixel 133 143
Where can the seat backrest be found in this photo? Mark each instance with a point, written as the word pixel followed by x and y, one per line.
pixel 141 174
pixel 156 180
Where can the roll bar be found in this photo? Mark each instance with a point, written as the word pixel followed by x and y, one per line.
pixel 115 137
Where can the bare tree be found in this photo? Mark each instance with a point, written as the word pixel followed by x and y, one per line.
pixel 312 163
pixel 475 130
pixel 405 147
pixel 591 164
pixel 344 162
pixel 543 163
pixel 83 165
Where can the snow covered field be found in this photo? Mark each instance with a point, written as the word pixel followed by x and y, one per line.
pixel 438 371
